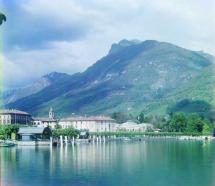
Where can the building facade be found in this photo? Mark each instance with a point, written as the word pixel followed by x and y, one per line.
pixel 92 123
pixel 12 116
pixel 44 122
pixel 131 126
pixel 34 133
pixel 50 121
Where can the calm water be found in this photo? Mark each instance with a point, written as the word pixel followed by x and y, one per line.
pixel 150 163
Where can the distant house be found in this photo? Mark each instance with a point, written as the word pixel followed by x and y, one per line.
pixel 34 133
pixel 92 123
pixel 12 116
pixel 131 126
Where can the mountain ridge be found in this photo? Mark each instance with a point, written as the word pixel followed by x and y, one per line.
pixel 126 79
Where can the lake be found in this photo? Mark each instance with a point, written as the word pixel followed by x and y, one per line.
pixel 145 163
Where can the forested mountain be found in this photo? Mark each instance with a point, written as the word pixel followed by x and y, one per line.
pixel 134 76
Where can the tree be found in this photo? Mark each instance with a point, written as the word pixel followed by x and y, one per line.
pixel 207 128
pixel 195 123
pixel 2 132
pixel 141 118
pixel 7 130
pixel 70 132
pixel 158 121
pixel 177 123
pixel 120 117
pixel 2 18
pixel 58 126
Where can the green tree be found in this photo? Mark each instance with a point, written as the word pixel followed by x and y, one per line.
pixel 207 128
pixel 195 123
pixel 58 126
pixel 121 117
pixel 177 123
pixel 7 130
pixel 70 132
pixel 158 121
pixel 2 18
pixel 2 132
pixel 141 118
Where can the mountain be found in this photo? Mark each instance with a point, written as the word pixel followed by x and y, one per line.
pixel 116 47
pixel 197 96
pixel 13 95
pixel 133 76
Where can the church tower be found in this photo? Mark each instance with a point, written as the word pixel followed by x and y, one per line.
pixel 51 113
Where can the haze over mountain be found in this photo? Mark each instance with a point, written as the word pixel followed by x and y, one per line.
pixel 13 95
pixel 132 77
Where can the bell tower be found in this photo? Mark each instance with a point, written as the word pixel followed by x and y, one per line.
pixel 51 113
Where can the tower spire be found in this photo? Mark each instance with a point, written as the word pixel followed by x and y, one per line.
pixel 51 113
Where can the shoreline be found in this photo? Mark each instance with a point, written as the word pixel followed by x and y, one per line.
pixel 113 139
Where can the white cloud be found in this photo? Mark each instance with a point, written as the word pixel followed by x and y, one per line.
pixel 60 11
pixel 69 57
pixel 12 73
pixel 186 23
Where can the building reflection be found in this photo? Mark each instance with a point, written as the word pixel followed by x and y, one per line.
pixel 113 161
pixel 97 157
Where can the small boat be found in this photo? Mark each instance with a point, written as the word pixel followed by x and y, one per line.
pixel 126 139
pixel 7 144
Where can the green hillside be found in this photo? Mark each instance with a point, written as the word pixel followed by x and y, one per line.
pixel 134 76
pixel 196 96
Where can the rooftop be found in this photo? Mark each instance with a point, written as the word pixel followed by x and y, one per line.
pixel 43 119
pixel 31 130
pixel 90 118
pixel 135 125
pixel 13 111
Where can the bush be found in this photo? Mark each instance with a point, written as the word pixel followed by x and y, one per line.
pixel 70 132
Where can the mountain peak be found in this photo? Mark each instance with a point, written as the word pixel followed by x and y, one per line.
pixel 116 47
pixel 54 75
pixel 125 42
pixel 150 42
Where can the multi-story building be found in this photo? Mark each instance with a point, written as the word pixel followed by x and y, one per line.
pixel 12 116
pixel 92 123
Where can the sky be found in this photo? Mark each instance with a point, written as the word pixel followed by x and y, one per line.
pixel 42 36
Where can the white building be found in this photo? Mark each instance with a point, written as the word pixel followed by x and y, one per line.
pixel 12 116
pixel 92 123
pixel 131 126
pixel 46 122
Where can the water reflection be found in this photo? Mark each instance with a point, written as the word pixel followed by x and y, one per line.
pixel 140 163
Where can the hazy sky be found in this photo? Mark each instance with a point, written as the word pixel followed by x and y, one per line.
pixel 41 36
